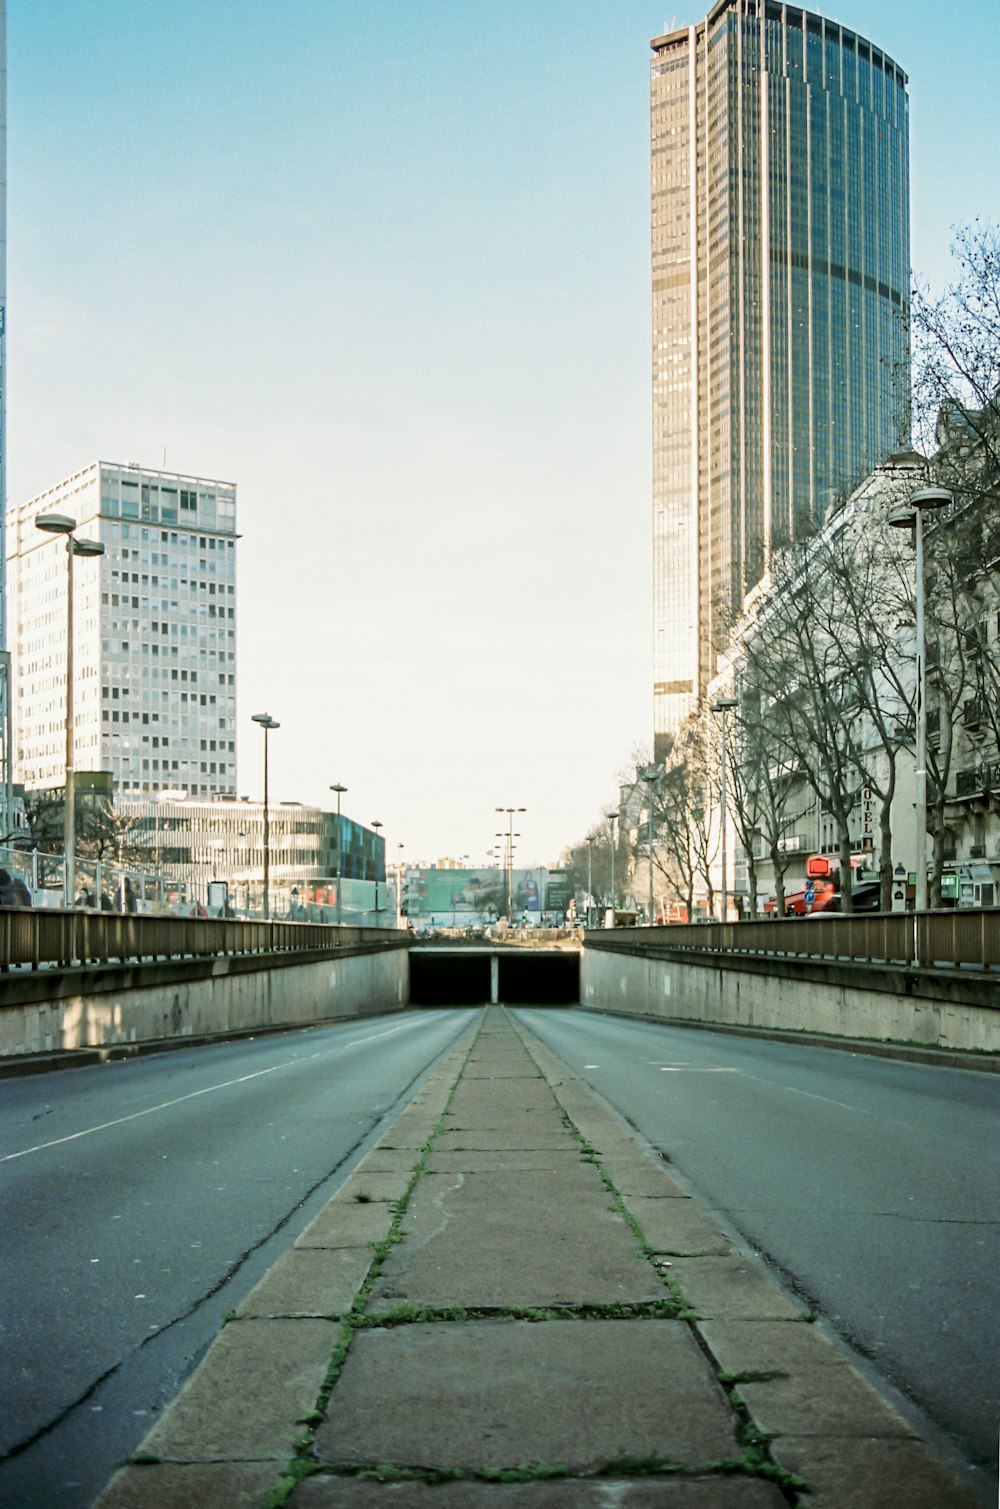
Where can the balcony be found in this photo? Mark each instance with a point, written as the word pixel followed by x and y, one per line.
pixel 975 713
pixel 977 851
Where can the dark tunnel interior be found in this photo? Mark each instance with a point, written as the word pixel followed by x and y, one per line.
pixel 448 978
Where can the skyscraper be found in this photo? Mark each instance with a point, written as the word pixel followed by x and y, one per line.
pixel 781 264
pixel 154 618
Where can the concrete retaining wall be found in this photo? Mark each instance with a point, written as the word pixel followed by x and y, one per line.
pixel 49 1011
pixel 883 1004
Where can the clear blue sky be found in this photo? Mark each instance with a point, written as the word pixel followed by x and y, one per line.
pixel 385 266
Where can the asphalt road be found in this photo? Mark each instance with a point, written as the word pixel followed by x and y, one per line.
pixel 141 1200
pixel 873 1185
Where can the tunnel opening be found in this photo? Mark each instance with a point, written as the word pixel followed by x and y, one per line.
pixel 448 977
pixel 540 979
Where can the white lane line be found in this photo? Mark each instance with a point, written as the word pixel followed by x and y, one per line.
pixel 208 1090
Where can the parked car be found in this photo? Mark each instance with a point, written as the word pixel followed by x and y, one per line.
pixel 867 897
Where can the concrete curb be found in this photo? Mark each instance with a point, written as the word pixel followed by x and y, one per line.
pixel 743 1350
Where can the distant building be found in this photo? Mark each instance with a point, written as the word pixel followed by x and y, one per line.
pixel 781 264
pixel 192 844
pixel 154 632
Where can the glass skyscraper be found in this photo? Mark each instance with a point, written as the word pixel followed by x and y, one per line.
pixel 781 265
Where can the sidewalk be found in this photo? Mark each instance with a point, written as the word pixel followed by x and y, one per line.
pixel 511 1305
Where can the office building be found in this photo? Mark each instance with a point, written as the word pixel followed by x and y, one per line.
pixel 780 242
pixel 185 851
pixel 154 684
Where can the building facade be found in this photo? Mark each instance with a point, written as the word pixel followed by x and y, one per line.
pixel 154 632
pixel 189 848
pixel 780 246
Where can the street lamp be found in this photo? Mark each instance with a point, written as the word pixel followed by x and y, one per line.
pixel 399 880
pixel 267 723
pixel 590 876
pixel 60 523
pixel 511 835
pixel 376 825
pixel 613 817
pixel 912 517
pixel 722 706
pixel 650 776
pixel 339 789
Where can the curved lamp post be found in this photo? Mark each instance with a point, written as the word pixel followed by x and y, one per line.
pixel 376 825
pixel 613 817
pixel 339 789
pixel 722 706
pixel 267 723
pixel 58 523
pixel 510 836
pixel 911 516
pixel 651 775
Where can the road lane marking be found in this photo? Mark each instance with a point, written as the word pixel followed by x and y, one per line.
pixel 193 1095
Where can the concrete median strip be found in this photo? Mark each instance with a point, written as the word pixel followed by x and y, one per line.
pixel 511 1302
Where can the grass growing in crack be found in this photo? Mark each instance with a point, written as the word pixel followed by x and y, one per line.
pixel 294 1473
pixel 357 1320
pixel 363 1197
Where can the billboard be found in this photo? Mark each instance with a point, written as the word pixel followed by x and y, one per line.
pixel 462 896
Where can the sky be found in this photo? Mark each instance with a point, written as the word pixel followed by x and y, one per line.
pixel 385 266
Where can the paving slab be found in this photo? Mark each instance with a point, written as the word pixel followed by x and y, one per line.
pixel 732 1288
pixel 257 1379
pixel 474 1109
pixel 510 1160
pixel 341 1224
pixel 600 1493
pixel 822 1401
pixel 633 1171
pixel 389 1160
pixel 310 1281
pixel 373 1185
pixel 873 1474
pixel 564 1393
pixel 411 1129
pixel 769 1346
pixel 503 1239
pixel 678 1226
pixel 165 1485
pixel 499 1138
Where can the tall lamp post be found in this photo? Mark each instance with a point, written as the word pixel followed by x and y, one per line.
pixel 911 516
pixel 590 875
pixel 59 523
pixel 376 825
pixel 511 835
pixel 722 706
pixel 339 789
pixel 399 880
pixel 613 817
pixel 267 723
pixel 651 775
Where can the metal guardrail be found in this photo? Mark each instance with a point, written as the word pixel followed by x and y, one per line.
pixel 952 939
pixel 48 937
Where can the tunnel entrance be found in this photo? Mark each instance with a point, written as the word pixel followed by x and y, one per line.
pixel 450 976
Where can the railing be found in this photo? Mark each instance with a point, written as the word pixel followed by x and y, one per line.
pixel 50 938
pixel 953 939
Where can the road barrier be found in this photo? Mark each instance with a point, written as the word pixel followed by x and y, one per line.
pixel 953 939
pixel 49 937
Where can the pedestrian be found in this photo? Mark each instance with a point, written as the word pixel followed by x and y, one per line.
pixel 21 892
pixel 130 901
pixel 8 896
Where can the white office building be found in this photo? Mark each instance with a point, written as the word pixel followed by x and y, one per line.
pixel 154 631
